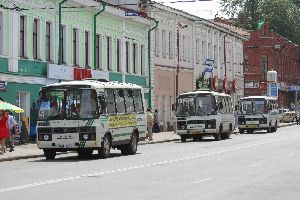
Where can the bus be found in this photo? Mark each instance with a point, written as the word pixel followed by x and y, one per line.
pixel 90 115
pixel 202 113
pixel 258 113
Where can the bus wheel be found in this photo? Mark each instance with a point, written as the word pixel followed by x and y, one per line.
pixel 131 148
pixel 104 151
pixel 49 154
pixel 183 138
pixel 250 131
pixel 241 131
pixel 229 132
pixel 269 129
pixel 218 135
pixel 85 153
pixel 274 129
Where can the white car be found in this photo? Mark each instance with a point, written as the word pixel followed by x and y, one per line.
pixel 281 113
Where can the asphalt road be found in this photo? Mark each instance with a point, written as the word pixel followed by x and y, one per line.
pixel 255 166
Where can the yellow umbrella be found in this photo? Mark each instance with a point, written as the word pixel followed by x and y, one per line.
pixel 11 107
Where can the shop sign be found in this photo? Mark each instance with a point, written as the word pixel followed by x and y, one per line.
pixel 60 72
pixel 82 73
pixel 251 84
pixel 273 90
pixel 3 86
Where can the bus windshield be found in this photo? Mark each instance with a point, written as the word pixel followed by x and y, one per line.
pixel 196 105
pixel 252 106
pixel 67 104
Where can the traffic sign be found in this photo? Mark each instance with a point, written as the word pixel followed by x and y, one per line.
pixel 131 14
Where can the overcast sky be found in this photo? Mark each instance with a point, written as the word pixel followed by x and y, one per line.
pixel 204 9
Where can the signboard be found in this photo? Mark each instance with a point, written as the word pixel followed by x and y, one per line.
pixel 131 14
pixel 273 89
pixel 251 84
pixel 60 72
pixel 97 74
pixel 3 86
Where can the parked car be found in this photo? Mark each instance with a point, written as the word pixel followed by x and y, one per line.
pixel 288 117
pixel 281 112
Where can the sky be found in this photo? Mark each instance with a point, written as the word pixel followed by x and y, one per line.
pixel 204 9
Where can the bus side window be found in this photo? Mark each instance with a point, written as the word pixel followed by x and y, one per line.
pixel 110 101
pixel 129 102
pixel 101 104
pixel 119 96
pixel 138 101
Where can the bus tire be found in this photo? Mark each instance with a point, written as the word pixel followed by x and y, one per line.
pixel 183 138
pixel 229 132
pixel 85 153
pixel 104 151
pixel 219 134
pixel 250 131
pixel 241 131
pixel 269 129
pixel 131 148
pixel 274 129
pixel 49 154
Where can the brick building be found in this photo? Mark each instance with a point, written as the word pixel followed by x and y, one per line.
pixel 265 51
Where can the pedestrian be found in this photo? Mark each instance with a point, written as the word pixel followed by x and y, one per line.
pixel 156 128
pixel 149 125
pixel 12 125
pixel 4 133
pixel 298 117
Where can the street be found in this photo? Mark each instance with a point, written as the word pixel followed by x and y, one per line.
pixel 248 166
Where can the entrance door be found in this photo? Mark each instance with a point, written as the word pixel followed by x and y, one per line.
pixel 23 101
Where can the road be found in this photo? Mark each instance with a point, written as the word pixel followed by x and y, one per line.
pixel 254 166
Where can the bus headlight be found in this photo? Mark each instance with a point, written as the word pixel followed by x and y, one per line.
pixel 85 136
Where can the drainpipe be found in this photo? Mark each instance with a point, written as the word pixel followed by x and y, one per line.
pixel 60 32
pixel 149 59
pixel 95 32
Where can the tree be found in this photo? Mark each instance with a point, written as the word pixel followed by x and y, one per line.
pixel 283 16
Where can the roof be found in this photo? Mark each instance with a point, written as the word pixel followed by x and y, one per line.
pixel 205 92
pixel 96 84
pixel 259 97
pixel 234 29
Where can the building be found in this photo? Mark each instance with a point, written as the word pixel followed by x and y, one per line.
pixel 97 41
pixel 266 51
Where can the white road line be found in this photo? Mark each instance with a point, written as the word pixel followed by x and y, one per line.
pixel 202 180
pixel 112 171
pixel 255 165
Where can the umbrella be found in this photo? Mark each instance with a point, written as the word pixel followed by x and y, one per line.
pixel 11 107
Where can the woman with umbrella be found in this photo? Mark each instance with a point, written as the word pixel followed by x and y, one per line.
pixel 4 133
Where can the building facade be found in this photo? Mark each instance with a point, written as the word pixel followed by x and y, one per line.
pixel 29 47
pixel 267 51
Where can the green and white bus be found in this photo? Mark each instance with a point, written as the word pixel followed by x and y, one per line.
pixel 90 115
pixel 258 113
pixel 201 113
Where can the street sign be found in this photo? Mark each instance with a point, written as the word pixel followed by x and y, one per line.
pixel 208 70
pixel 273 90
pixel 131 14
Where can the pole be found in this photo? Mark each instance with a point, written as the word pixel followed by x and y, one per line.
pixel 177 67
pixel 149 60
pixel 95 32
pixel 225 62
pixel 60 32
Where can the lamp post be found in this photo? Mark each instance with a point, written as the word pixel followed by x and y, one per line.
pixel 177 67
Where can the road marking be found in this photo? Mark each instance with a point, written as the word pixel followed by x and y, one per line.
pixel 202 180
pixel 112 171
pixel 255 165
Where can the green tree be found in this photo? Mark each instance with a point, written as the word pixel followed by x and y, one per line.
pixel 283 16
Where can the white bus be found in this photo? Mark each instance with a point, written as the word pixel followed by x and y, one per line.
pixel 258 113
pixel 90 115
pixel 202 113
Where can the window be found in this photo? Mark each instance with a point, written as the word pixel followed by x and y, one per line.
pixel 48 41
pixel 203 51
pixel 75 46
pixel 97 51
pixel 171 45
pixel 1 33
pixel 120 101
pixel 109 52
pixel 138 102
pixel 87 48
pixel 35 38
pixel 127 57
pixel 215 56
pixel 110 101
pixel 157 42
pixel 63 44
pixel 164 43
pixel 134 58
pixel 188 49
pixel 209 50
pixel 129 101
pixel 197 51
pixel 22 36
pixel 142 59
pixel 264 66
pixel 119 56
pixel 184 48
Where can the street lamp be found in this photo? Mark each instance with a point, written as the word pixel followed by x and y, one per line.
pixel 177 68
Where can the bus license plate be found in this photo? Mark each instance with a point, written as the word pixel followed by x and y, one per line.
pixel 252 122
pixel 251 126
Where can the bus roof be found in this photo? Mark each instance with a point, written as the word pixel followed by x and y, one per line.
pixel 96 84
pixel 205 92
pixel 259 97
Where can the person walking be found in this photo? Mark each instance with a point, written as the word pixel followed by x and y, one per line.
pixel 149 125
pixel 4 133
pixel 12 125
pixel 156 128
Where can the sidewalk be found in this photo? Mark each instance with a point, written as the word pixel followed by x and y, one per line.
pixel 26 151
